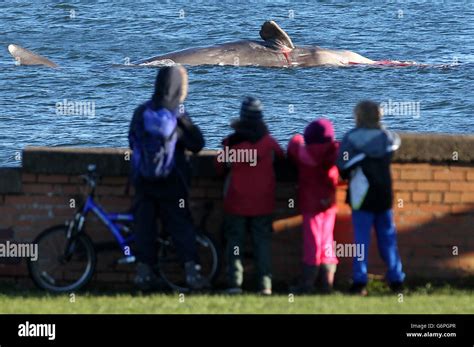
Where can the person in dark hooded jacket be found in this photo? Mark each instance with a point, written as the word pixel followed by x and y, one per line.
pixel 364 159
pixel 249 193
pixel 315 156
pixel 166 197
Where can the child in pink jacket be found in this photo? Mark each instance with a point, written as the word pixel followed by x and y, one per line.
pixel 315 155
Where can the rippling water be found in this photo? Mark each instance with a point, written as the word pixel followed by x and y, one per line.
pixel 85 38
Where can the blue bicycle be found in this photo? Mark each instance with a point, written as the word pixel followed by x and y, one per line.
pixel 67 256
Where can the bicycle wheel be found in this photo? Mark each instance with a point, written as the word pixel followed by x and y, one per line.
pixel 171 269
pixel 55 272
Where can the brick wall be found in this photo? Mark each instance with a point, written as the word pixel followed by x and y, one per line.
pixel 434 207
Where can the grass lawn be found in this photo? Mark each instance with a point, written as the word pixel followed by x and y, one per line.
pixel 423 299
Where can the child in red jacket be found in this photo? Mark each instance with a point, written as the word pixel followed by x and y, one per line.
pixel 249 193
pixel 315 155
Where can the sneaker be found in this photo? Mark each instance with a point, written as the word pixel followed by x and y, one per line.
pixel 266 292
pixel 146 279
pixel 302 288
pixel 306 284
pixel 233 291
pixel 194 279
pixel 396 287
pixel 326 290
pixel 359 289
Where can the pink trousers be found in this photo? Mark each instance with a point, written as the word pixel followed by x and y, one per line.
pixel 318 237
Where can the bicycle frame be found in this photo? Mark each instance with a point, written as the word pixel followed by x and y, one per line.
pixel 109 219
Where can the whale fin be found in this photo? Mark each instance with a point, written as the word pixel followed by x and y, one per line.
pixel 272 33
pixel 26 57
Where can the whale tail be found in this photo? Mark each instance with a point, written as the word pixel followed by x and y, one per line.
pixel 272 33
pixel 27 57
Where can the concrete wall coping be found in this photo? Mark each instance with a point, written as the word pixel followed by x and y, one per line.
pixel 436 148
pixel 416 148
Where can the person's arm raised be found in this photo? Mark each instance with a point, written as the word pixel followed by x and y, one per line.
pixel 190 134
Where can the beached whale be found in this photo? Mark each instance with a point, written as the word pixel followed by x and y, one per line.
pixel 275 50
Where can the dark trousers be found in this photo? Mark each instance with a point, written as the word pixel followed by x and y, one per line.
pixel 176 220
pixel 261 228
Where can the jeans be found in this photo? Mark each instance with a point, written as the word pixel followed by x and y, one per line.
pixel 386 241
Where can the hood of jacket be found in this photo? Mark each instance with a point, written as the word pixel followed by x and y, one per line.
pixel 374 143
pixel 318 154
pixel 247 130
pixel 170 88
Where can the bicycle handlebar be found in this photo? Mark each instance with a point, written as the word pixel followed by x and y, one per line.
pixel 91 177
